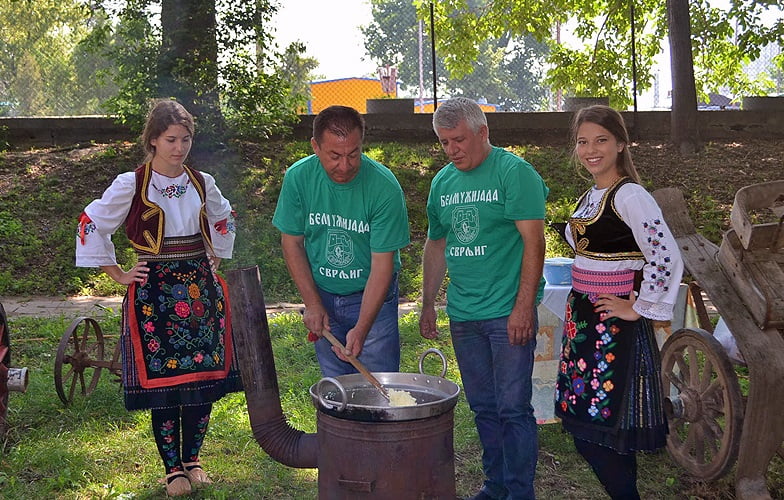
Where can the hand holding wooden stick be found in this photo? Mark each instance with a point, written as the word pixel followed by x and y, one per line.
pixel 355 363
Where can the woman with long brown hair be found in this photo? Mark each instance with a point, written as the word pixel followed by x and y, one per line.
pixel 177 350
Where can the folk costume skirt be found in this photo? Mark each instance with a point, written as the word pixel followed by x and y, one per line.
pixel 608 389
pixel 177 347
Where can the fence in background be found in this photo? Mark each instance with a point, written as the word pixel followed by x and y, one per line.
pixel 507 77
pixel 506 128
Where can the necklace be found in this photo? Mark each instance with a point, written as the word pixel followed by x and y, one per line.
pixel 173 190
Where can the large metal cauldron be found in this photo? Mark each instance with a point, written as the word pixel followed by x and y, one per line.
pixel 368 449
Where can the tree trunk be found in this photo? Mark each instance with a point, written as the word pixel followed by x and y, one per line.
pixel 188 63
pixel 684 132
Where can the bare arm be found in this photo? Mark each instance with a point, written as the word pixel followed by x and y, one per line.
pixel 315 317
pixel 433 273
pixel 520 326
pixel 382 266
pixel 137 273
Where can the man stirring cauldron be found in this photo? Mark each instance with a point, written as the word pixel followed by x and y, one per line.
pixel 343 221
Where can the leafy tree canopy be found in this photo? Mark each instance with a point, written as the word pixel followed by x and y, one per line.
pixel 723 40
pixel 505 70
pixel 255 97
pixel 39 52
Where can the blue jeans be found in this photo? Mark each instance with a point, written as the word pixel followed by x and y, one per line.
pixel 381 351
pixel 497 381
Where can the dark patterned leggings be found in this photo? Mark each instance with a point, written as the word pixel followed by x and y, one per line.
pixel 168 424
pixel 616 472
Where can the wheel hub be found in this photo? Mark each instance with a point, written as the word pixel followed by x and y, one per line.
pixel 79 361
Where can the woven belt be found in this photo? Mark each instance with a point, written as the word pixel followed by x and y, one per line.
pixel 595 282
pixel 178 247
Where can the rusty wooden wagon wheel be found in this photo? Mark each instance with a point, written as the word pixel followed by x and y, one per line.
pixel 704 406
pixel 81 346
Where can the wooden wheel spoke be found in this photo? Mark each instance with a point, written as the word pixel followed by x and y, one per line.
pixel 72 386
pixel 707 374
pixel 85 337
pixel 691 437
pixel 707 433
pixel 694 369
pixel 713 391
pixel 713 399
pixel 69 374
pixel 683 367
pixel 716 431
pixel 674 376
pixel 93 349
pixel 699 441
pixel 678 424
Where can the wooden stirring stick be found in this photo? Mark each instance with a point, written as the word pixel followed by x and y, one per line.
pixel 356 363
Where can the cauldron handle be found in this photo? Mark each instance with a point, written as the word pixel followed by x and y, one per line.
pixel 325 402
pixel 440 354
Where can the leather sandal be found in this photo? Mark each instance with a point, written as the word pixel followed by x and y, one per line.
pixel 196 474
pixel 177 484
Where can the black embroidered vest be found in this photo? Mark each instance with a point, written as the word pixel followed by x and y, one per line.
pixel 605 236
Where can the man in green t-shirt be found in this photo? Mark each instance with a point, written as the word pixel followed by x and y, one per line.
pixel 486 213
pixel 343 221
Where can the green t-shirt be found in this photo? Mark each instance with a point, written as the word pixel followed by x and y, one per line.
pixel 476 212
pixel 343 223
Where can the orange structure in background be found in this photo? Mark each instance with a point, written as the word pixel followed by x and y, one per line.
pixel 346 92
pixel 355 92
pixel 427 106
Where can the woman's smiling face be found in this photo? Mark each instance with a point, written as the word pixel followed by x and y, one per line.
pixel 598 149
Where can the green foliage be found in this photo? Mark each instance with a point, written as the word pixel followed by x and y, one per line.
pixel 777 74
pixel 254 93
pixel 298 70
pixel 506 70
pixel 132 44
pixel 40 47
pixel 723 40
pixel 46 192
pixel 258 105
pixel 42 200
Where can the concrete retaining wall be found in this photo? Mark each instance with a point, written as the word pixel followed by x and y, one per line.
pixel 60 131
pixel 505 128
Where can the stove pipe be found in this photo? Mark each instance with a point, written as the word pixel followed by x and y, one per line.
pixel 250 329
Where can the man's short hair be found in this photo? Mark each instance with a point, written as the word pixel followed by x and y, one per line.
pixel 339 120
pixel 452 111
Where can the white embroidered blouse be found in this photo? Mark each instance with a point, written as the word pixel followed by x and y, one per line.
pixel 638 209
pixel 180 202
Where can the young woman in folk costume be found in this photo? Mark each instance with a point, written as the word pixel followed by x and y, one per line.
pixel 626 272
pixel 177 350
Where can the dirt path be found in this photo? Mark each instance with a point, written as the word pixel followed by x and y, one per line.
pixel 39 306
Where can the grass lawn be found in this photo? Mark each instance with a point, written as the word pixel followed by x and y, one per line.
pixel 96 449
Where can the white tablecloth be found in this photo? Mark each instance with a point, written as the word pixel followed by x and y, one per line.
pixel 554 299
pixel 548 349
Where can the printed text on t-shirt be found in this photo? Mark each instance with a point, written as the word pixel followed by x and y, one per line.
pixel 473 196
pixel 334 220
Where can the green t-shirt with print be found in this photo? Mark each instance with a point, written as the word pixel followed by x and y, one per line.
pixel 476 212
pixel 343 223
